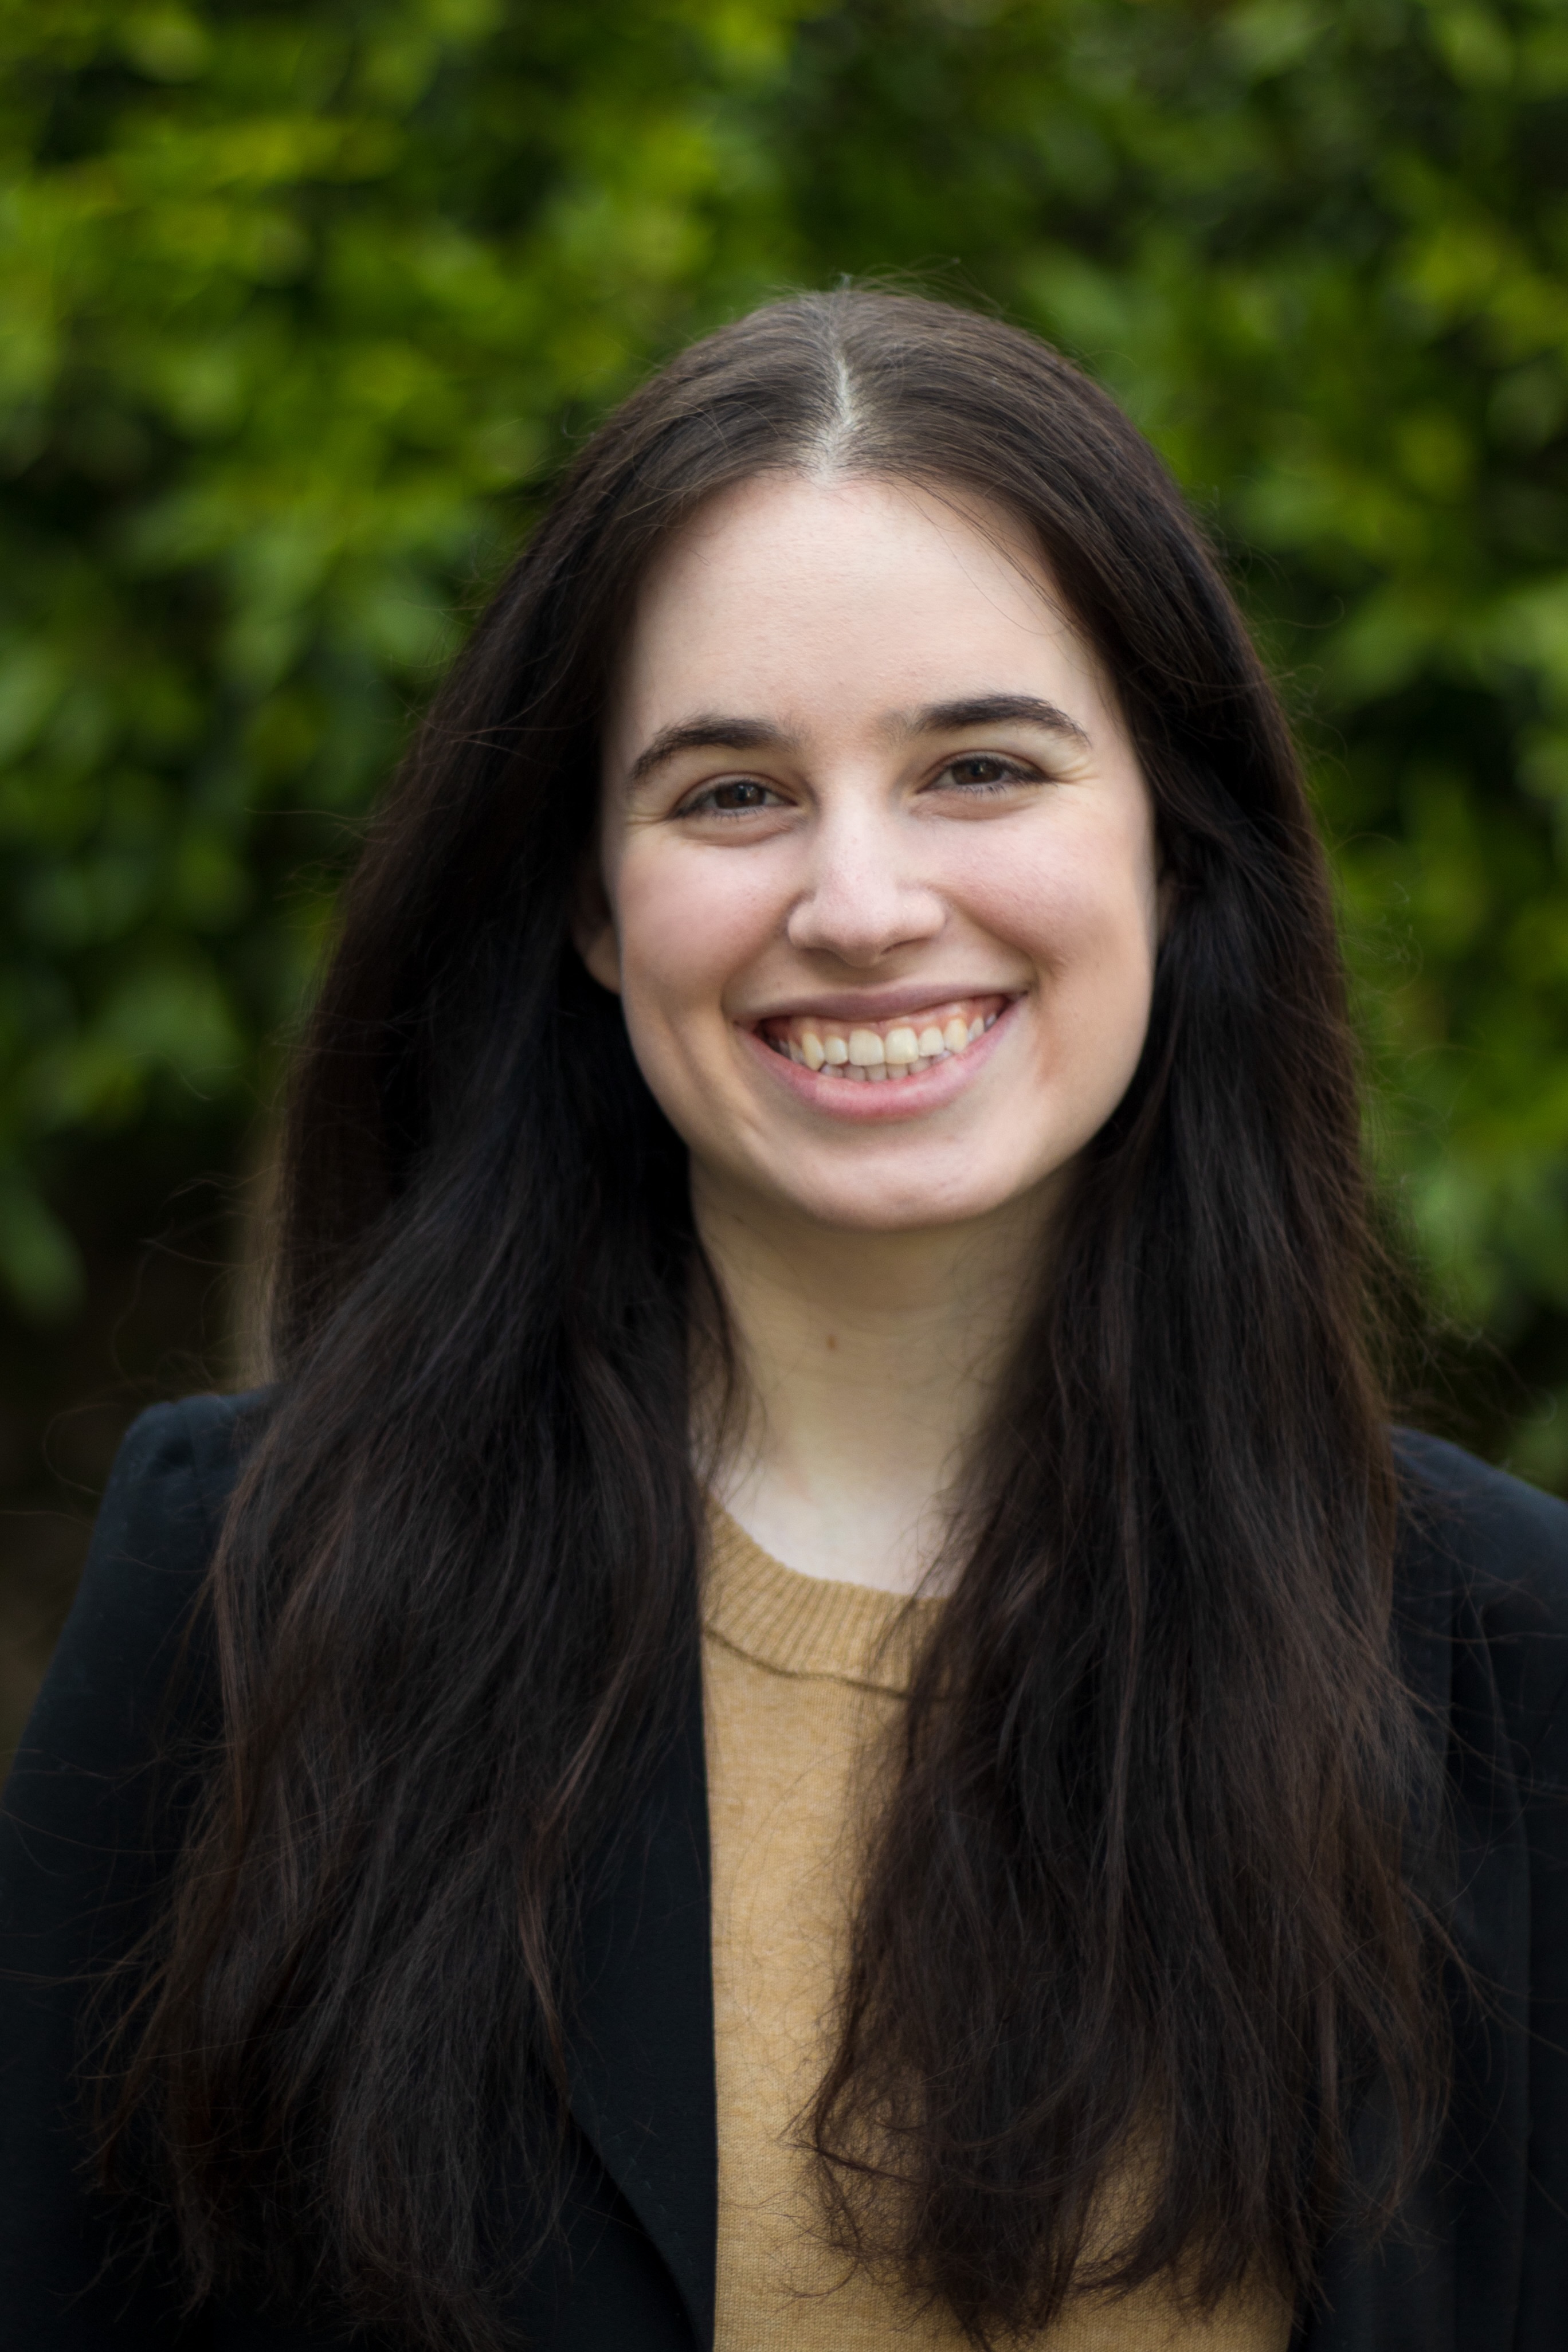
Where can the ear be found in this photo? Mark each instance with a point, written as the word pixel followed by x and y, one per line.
pixel 594 926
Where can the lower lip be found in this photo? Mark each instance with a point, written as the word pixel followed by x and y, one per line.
pixel 884 1105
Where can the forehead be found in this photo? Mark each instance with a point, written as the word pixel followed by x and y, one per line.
pixel 786 590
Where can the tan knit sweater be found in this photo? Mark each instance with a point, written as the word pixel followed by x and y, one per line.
pixel 801 1674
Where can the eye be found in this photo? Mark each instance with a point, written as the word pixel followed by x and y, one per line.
pixel 736 796
pixel 985 772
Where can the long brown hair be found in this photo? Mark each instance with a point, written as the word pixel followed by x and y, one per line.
pixel 1142 1882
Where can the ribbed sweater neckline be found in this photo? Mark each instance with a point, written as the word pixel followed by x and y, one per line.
pixel 799 1625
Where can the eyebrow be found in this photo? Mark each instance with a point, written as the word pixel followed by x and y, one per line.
pixel 993 710
pixel 709 734
pixel 719 733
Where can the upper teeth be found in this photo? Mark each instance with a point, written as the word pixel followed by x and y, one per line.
pixel 906 1046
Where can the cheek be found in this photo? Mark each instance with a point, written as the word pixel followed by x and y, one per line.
pixel 1080 917
pixel 687 930
pixel 1085 913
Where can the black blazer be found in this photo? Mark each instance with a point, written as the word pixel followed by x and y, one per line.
pixel 1483 2266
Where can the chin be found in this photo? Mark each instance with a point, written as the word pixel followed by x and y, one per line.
pixel 887 1208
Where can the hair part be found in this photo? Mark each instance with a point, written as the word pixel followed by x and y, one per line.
pixel 1145 1881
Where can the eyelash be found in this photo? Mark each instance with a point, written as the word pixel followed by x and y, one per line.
pixel 700 803
pixel 1013 771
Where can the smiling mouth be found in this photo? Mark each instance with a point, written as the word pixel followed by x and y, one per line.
pixel 873 1051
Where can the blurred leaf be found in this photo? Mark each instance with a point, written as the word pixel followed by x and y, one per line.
pixel 37 1256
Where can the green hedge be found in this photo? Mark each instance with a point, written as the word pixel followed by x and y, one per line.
pixel 302 304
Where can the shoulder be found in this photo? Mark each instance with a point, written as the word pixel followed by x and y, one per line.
pixel 1505 1542
pixel 95 1813
pixel 1483 1562
pixel 183 1456
pixel 163 1508
pixel 157 1527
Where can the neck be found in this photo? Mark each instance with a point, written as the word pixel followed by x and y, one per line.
pixel 869 1363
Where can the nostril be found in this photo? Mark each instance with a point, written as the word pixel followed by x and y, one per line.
pixel 860 921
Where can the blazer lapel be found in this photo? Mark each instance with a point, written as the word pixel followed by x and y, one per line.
pixel 1401 2296
pixel 1398 2297
pixel 640 2064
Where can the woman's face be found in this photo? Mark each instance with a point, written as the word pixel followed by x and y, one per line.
pixel 880 888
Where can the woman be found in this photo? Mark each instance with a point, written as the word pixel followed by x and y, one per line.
pixel 817 1711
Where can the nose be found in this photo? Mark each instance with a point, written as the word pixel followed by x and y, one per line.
pixel 865 896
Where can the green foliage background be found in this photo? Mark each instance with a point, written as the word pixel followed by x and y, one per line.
pixel 302 302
